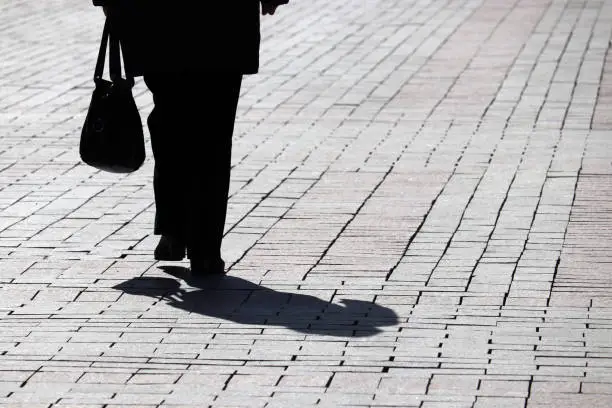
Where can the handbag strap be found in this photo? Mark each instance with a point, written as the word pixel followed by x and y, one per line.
pixel 114 55
pixel 102 52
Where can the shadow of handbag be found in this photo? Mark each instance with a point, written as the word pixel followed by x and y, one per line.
pixel 112 138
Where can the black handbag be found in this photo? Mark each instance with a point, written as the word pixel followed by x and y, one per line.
pixel 112 138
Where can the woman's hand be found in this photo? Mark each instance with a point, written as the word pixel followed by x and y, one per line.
pixel 269 6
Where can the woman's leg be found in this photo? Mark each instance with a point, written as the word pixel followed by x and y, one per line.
pixel 210 164
pixel 166 123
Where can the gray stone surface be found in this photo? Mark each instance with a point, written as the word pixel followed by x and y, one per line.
pixel 420 216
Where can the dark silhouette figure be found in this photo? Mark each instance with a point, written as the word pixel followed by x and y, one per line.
pixel 240 301
pixel 192 55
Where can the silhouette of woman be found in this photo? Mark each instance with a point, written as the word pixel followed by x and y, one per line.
pixel 192 56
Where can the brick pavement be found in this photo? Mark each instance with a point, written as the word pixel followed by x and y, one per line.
pixel 420 216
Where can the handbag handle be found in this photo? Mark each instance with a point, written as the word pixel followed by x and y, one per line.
pixel 114 56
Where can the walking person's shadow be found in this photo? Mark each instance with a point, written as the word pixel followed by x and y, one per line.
pixel 238 300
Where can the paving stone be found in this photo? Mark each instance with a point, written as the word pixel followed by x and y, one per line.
pixel 499 402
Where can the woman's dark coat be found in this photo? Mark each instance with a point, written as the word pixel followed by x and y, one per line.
pixel 187 35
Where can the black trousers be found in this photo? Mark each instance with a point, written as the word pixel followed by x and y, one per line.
pixel 191 128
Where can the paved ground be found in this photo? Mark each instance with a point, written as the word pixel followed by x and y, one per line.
pixel 420 216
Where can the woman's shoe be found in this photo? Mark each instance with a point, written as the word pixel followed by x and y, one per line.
pixel 170 249
pixel 203 266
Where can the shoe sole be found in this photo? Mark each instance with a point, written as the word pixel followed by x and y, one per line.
pixel 168 258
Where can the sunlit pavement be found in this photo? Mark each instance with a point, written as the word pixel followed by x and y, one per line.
pixel 420 216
